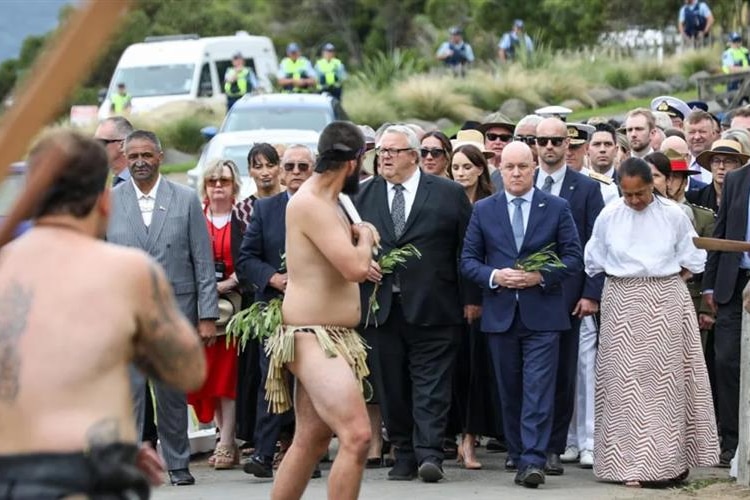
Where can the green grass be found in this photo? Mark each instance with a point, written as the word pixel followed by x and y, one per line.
pixel 177 168
pixel 699 484
pixel 622 108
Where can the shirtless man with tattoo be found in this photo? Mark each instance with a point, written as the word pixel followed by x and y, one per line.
pixel 74 312
pixel 326 257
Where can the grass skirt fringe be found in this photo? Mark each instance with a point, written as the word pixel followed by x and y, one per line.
pixel 334 340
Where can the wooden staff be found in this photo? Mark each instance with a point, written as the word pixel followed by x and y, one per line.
pixel 721 245
pixel 52 79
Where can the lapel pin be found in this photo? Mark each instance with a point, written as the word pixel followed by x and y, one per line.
pixel 541 205
pixel 572 188
pixel 162 208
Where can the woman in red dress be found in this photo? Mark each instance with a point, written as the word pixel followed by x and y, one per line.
pixel 216 399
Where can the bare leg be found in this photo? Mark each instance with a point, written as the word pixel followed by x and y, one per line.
pixel 327 399
pixel 227 423
pixel 376 443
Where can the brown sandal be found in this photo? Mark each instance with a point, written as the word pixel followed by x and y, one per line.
pixel 225 457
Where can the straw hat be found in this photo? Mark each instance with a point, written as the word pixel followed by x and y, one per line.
pixel 471 138
pixel 722 147
pixel 678 164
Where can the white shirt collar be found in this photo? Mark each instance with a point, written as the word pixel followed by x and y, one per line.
pixel 151 194
pixel 610 172
pixel 410 184
pixel 557 175
pixel 528 196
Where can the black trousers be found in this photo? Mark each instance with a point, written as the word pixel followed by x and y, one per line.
pixel 412 372
pixel 267 425
pixel 565 388
pixel 727 342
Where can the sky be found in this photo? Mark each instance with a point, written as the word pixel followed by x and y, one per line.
pixel 21 18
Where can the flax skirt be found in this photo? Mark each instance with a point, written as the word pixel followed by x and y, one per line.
pixel 654 413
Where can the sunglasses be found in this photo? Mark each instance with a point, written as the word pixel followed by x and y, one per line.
pixel 302 167
pixel 494 137
pixel 106 142
pixel 528 139
pixel 221 181
pixel 434 152
pixel 556 141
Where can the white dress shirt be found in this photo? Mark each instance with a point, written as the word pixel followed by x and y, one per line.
pixel 147 201
pixel 654 242
pixel 706 176
pixel 557 180
pixel 410 192
pixel 525 211
pixel 610 192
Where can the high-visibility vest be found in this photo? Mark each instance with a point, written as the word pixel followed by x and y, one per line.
pixel 296 71
pixel 237 88
pixel 735 57
pixel 328 72
pixel 120 102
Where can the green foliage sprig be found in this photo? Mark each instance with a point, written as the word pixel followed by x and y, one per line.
pixel 388 263
pixel 544 260
pixel 258 321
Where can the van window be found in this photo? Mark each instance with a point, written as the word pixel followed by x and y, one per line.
pixel 148 81
pixel 205 87
pixel 222 65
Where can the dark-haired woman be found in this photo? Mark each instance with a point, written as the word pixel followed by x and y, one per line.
pixel 435 150
pixel 476 408
pixel 654 414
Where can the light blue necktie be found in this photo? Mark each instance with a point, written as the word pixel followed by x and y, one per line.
pixel 547 187
pixel 517 223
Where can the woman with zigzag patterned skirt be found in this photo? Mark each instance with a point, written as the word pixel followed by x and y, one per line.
pixel 654 417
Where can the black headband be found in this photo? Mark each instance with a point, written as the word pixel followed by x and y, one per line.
pixel 337 152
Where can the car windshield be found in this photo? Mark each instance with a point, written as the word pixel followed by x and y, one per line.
pixel 238 154
pixel 277 118
pixel 148 81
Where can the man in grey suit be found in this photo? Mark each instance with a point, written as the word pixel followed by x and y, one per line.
pixel 165 220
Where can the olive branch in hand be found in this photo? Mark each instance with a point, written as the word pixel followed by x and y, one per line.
pixel 544 260
pixel 258 321
pixel 388 263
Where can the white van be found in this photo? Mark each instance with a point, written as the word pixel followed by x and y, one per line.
pixel 186 68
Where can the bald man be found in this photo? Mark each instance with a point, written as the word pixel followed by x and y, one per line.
pixel 694 186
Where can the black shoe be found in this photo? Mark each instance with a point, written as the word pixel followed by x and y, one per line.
pixel 181 477
pixel 531 477
pixel 510 465
pixel 258 467
pixel 725 459
pixel 431 471
pixel 316 474
pixel 403 470
pixel 450 449
pixel 553 467
pixel 496 446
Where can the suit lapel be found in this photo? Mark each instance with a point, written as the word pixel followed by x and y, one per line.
pixel 380 193
pixel 503 217
pixel 744 193
pixel 133 213
pixel 423 192
pixel 569 184
pixel 536 214
pixel 161 205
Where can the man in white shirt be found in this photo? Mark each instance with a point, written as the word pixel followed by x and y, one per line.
pixel 602 152
pixel 165 219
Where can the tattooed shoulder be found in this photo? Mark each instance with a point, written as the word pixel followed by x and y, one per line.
pixel 15 304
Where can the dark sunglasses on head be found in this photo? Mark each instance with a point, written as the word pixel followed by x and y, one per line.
pixel 556 141
pixel 503 137
pixel 435 152
pixel 528 139
pixel 302 167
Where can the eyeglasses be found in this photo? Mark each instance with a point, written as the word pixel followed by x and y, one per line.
pixel 725 162
pixel 301 166
pixel 556 141
pixel 495 137
pixel 391 151
pixel 435 152
pixel 528 139
pixel 106 142
pixel 221 181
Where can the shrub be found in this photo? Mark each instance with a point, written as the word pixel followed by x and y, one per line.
pixel 183 134
pixel 693 61
pixel 368 107
pixel 651 71
pixel 619 78
pixel 382 70
pixel 429 98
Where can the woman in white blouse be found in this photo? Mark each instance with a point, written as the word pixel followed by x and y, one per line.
pixel 654 413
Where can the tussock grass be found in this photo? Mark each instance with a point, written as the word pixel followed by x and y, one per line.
pixel 431 98
pixel 693 61
pixel 370 107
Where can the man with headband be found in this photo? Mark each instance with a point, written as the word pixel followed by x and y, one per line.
pixel 326 257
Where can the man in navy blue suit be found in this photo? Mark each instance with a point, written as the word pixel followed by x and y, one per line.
pixel 524 313
pixel 260 266
pixel 582 293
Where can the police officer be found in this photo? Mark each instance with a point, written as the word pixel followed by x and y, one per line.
pixel 513 41
pixel 120 100
pixel 296 73
pixel 331 72
pixel 456 53
pixel 238 80
pixel 734 59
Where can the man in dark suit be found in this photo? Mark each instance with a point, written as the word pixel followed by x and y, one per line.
pixel 414 334
pixel 724 279
pixel 260 266
pixel 504 228
pixel 165 220
pixel 582 293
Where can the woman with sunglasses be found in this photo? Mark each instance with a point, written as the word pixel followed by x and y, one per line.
pixel 475 404
pixel 215 401
pixel 435 151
